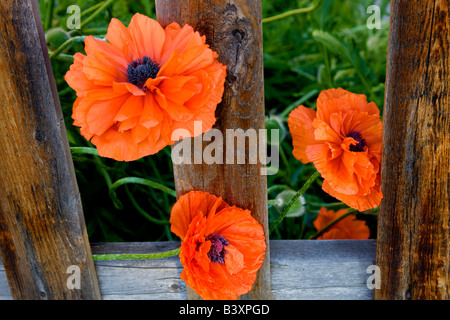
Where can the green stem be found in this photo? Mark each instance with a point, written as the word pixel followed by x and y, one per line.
pixel 325 205
pixel 49 14
pixel 285 161
pixel 327 65
pixel 96 12
pixel 367 87
pixel 94 7
pixel 291 13
pixel 95 31
pixel 300 101
pixel 302 228
pixel 332 223
pixel 100 165
pixel 276 188
pixel 293 200
pixel 84 150
pixel 137 256
pixel 158 176
pixel 148 9
pixel 62 47
pixel 62 57
pixel 145 182
pixel 65 91
pixel 142 211
pixel 103 171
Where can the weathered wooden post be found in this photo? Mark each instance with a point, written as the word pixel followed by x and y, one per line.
pixel 234 30
pixel 413 248
pixel 42 231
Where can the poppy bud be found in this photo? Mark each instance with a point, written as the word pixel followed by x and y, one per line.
pixel 296 210
pixel 56 37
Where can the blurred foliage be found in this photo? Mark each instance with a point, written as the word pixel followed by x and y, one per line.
pixel 305 53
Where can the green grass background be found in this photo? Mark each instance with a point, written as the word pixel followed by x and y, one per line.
pixel 328 47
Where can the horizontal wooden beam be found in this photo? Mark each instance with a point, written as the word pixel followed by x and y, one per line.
pixel 300 270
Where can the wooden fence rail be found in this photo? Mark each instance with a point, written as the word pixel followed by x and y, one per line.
pixel 300 270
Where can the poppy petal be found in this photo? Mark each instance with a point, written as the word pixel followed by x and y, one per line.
pixel 77 79
pixel 190 205
pixel 131 108
pixel 103 63
pixel 234 260
pixel 119 37
pixel 102 113
pixel 152 114
pixel 300 123
pixel 148 36
pixel 238 240
pixel 126 87
pixel 162 103
pixel 346 148
pixel 358 202
pixel 179 39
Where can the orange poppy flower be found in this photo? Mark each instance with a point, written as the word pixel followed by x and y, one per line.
pixel 347 228
pixel 343 139
pixel 143 83
pixel 222 246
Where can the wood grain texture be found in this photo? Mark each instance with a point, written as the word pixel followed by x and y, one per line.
pixel 42 230
pixel 300 270
pixel 414 218
pixel 233 29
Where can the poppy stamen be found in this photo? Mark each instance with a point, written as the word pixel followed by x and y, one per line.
pixel 359 147
pixel 217 252
pixel 140 70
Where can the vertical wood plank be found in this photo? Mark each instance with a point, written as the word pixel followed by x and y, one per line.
pixel 42 230
pixel 413 249
pixel 233 29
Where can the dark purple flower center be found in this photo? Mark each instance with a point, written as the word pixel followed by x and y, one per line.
pixel 140 70
pixel 217 252
pixel 361 142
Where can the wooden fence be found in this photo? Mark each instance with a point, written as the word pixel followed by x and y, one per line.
pixel 310 270
pixel 42 229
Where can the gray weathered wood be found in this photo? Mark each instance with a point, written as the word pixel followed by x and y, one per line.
pixel 300 269
pixel 42 227
pixel 5 293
